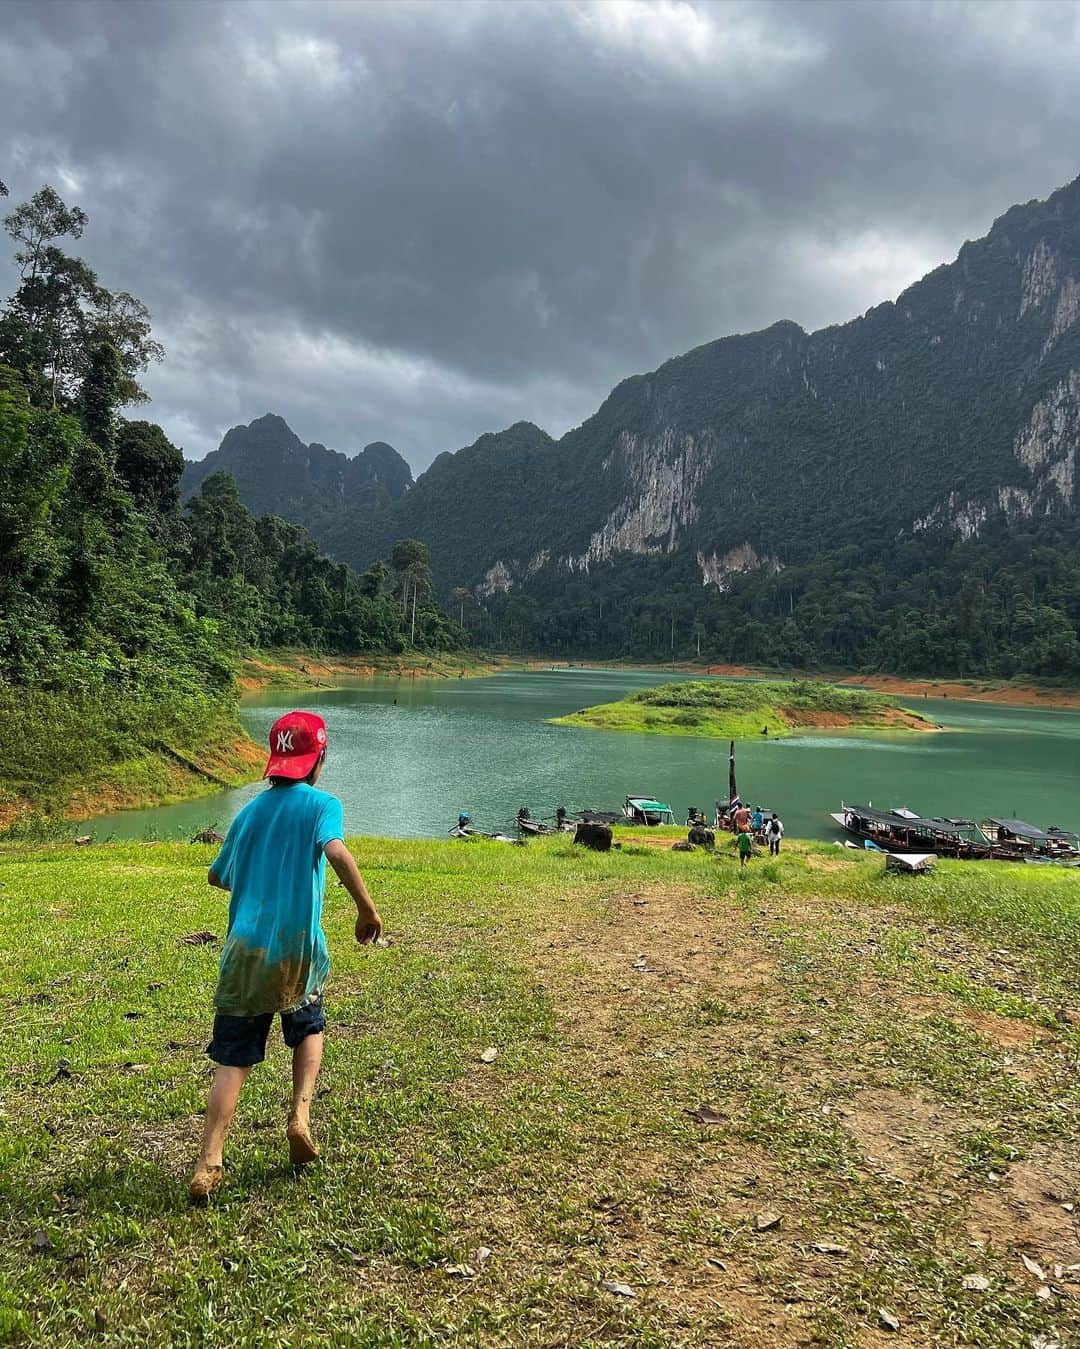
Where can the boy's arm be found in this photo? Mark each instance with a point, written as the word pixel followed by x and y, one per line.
pixel 368 922
pixel 212 878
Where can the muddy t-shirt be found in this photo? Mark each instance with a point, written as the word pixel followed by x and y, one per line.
pixel 275 957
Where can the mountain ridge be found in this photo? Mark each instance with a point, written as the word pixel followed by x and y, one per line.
pixel 310 485
pixel 731 473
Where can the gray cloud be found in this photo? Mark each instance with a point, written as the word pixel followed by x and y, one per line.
pixel 418 222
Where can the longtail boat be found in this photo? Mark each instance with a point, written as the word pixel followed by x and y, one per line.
pixel 1017 840
pixel 902 831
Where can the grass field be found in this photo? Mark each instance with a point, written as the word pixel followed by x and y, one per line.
pixel 73 757
pixel 746 709
pixel 883 1057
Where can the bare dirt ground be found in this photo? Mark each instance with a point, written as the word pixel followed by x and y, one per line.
pixel 880 1179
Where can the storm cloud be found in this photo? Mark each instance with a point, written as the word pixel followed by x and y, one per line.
pixel 417 222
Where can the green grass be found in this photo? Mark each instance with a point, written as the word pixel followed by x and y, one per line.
pixel 74 756
pixel 738 710
pixel 849 1027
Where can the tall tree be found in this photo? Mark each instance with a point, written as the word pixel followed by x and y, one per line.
pixel 462 595
pixel 60 313
pixel 149 465
pixel 101 394
pixel 124 321
pixel 34 224
pixel 373 580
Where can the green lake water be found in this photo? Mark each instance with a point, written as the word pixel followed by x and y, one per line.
pixel 407 754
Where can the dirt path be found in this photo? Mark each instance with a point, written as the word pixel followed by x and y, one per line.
pixel 892 1176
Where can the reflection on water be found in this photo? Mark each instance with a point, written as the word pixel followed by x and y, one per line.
pixel 407 755
pixel 884 744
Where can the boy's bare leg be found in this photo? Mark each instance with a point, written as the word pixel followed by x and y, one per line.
pixel 306 1061
pixel 220 1108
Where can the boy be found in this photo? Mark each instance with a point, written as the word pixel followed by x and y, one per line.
pixel 275 959
pixel 746 844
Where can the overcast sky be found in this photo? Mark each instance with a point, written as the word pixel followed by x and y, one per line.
pixel 418 222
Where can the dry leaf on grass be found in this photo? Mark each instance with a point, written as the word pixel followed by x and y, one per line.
pixel 1033 1268
pixel 489 1055
pixel 976 1283
pixel 887 1321
pixel 619 1289
pixel 766 1222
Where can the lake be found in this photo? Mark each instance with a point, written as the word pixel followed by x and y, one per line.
pixel 406 755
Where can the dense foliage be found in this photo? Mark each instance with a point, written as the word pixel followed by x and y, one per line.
pixel 266 581
pixel 121 613
pixel 1004 603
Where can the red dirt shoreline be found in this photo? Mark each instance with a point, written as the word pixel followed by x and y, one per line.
pixel 1020 693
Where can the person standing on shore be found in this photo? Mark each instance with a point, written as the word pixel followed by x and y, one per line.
pixel 774 832
pixel 274 960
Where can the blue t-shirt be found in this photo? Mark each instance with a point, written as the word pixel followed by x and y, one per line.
pixel 275 957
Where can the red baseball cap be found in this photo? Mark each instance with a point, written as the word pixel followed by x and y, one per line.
pixel 296 741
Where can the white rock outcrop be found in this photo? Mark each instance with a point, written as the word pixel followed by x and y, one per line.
pixel 663 475
pixel 1048 444
pixel 716 568
pixel 497 577
pixel 1039 278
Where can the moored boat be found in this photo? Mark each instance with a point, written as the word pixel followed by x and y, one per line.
pixel 1016 840
pixel 529 827
pixel 903 831
pixel 645 810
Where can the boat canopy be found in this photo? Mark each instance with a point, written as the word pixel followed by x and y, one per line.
pixel 1021 829
pixel 643 803
pixel 905 820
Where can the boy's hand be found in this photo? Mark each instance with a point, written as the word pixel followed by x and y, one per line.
pixel 368 927
pixel 368 922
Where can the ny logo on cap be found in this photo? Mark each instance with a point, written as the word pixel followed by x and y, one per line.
pixel 284 742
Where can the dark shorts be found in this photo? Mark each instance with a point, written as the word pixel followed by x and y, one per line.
pixel 240 1041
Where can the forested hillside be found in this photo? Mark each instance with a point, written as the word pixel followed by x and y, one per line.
pixel 897 492
pixel 121 614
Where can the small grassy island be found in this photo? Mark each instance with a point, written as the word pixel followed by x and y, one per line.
pixel 738 710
